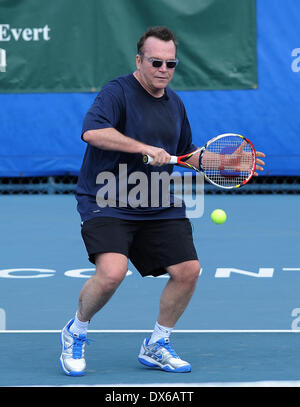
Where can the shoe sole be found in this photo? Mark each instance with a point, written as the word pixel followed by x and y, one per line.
pixel 182 369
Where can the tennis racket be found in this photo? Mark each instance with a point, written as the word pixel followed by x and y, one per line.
pixel 227 161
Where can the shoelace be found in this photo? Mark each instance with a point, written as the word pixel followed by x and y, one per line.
pixel 167 345
pixel 171 350
pixel 77 346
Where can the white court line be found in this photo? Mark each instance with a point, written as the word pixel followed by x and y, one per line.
pixel 263 383
pixel 24 331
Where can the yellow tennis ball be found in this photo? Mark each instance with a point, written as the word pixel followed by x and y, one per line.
pixel 218 216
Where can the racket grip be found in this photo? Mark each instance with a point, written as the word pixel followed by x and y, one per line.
pixel 147 159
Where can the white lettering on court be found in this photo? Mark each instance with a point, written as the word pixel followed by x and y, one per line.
pixel 226 272
pixel 38 273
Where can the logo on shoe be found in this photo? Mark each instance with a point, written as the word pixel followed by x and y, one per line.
pixel 157 356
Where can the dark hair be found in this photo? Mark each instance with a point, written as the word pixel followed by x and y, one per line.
pixel 160 32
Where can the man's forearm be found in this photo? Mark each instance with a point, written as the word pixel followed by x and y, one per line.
pixel 112 139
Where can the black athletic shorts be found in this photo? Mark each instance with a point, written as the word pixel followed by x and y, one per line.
pixel 151 245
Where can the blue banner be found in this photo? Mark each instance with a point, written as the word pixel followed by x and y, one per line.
pixel 40 133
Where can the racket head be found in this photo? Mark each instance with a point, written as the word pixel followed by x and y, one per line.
pixel 228 160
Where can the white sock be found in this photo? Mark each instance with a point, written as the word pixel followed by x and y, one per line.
pixel 78 327
pixel 160 332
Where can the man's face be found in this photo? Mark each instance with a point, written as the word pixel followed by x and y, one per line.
pixel 156 79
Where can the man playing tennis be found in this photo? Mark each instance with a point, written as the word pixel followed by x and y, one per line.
pixel 134 115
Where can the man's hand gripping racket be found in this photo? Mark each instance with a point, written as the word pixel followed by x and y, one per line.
pixel 227 161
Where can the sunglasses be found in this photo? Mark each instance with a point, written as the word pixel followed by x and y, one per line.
pixel 157 63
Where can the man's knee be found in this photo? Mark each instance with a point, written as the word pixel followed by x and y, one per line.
pixel 187 272
pixel 111 269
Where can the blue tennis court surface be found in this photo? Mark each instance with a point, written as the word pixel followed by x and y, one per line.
pixel 240 327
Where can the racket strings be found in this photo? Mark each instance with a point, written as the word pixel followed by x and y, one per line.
pixel 228 161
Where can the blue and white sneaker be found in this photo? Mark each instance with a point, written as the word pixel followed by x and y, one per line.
pixel 72 357
pixel 162 356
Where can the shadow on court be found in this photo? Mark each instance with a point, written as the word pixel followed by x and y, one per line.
pixel 31 359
